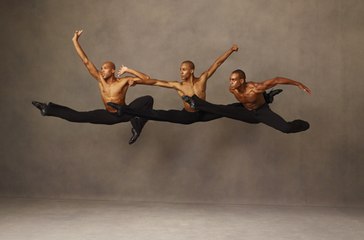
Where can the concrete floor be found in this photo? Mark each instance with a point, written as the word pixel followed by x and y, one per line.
pixel 75 219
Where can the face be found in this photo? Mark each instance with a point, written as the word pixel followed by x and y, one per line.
pixel 185 71
pixel 235 81
pixel 107 71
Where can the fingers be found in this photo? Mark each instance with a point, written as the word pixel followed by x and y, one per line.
pixel 122 70
pixel 78 32
pixel 307 90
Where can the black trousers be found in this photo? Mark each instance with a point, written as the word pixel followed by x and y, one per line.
pixel 101 116
pixel 175 116
pixel 261 115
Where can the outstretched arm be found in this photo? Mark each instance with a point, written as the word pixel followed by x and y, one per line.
pixel 280 80
pixel 124 69
pixel 220 60
pixel 155 82
pixel 89 65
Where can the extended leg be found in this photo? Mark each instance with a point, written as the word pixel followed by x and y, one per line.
pixel 235 111
pixel 174 116
pixel 272 119
pixel 96 116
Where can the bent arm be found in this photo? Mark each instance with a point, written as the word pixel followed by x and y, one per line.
pixel 281 80
pixel 219 61
pixel 124 69
pixel 89 65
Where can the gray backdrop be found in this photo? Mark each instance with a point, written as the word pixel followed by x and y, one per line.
pixel 319 43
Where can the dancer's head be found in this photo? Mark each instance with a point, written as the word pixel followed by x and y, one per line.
pixel 237 78
pixel 186 70
pixel 107 69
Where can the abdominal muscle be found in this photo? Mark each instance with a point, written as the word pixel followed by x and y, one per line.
pixel 119 101
pixel 251 102
pixel 108 94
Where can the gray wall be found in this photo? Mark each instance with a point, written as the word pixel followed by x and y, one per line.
pixel 316 42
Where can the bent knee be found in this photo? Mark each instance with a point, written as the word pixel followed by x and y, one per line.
pixel 149 99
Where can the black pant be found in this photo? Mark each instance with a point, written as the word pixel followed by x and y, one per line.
pixel 175 116
pixel 261 115
pixel 102 116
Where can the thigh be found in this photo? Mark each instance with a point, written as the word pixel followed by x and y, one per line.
pixel 176 116
pixel 104 117
pixel 208 116
pixel 99 116
pixel 142 102
pixel 234 111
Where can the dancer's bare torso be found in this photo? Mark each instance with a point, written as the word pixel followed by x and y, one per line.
pixel 113 91
pixel 249 96
pixel 196 88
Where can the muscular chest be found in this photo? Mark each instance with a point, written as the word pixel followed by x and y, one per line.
pixel 246 96
pixel 112 90
pixel 189 89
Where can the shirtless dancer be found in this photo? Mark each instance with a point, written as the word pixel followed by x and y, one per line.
pixel 254 108
pixel 112 89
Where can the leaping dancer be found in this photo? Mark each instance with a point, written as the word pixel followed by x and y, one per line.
pixel 254 108
pixel 112 89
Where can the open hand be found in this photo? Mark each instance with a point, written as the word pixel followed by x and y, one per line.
pixel 77 34
pixel 122 70
pixel 304 88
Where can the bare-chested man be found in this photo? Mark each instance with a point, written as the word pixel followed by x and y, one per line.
pixel 112 89
pixel 254 108
pixel 189 85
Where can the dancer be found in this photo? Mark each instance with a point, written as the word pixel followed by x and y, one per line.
pixel 254 108
pixel 112 89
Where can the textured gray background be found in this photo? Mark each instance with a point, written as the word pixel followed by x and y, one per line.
pixel 316 42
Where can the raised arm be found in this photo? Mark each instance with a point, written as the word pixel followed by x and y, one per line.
pixel 220 60
pixel 124 69
pixel 280 80
pixel 89 65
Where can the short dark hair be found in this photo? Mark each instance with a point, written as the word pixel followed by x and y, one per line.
pixel 190 63
pixel 241 73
